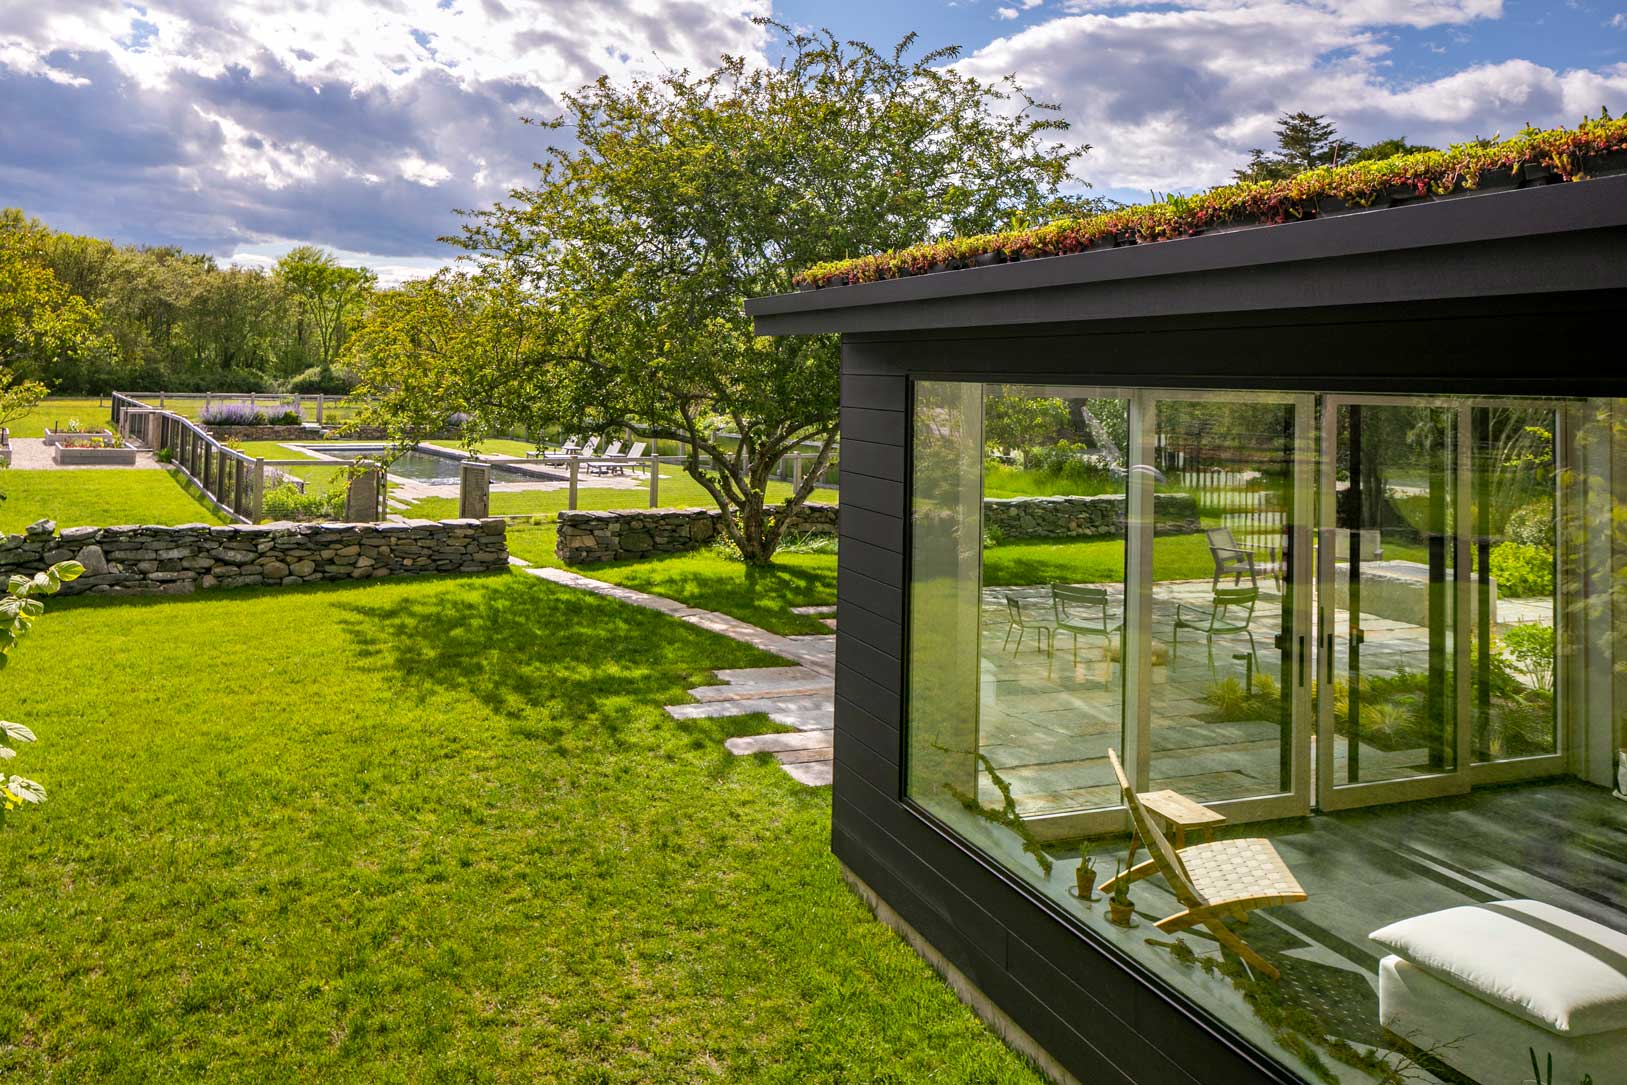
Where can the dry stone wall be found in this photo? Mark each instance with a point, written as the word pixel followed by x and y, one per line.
pixel 1094 516
pixel 146 559
pixel 591 536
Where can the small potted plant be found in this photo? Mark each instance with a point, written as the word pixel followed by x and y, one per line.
pixel 1085 876
pixel 1121 909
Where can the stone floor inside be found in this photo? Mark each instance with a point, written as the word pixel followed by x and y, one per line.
pixel 1563 842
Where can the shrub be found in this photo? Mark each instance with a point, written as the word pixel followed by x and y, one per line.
pixel 1533 523
pixel 232 414
pixel 1522 569
pixel 325 380
pixel 165 455
pixel 287 502
pixel 284 416
pixel 1531 646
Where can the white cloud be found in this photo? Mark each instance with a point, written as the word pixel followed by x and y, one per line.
pixel 1006 13
pixel 358 124
pixel 1172 96
pixel 1618 21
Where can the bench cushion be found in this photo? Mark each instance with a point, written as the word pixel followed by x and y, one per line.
pixel 1542 963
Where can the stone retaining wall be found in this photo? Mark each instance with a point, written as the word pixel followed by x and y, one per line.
pixel 144 560
pixel 588 536
pixel 292 433
pixel 1098 515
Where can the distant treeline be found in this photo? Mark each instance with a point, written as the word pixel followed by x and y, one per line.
pixel 158 318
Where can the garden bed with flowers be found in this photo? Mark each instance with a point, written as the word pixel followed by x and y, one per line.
pixel 85 450
pixel 1593 148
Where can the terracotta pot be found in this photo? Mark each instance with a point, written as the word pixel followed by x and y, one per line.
pixel 1086 879
pixel 1120 915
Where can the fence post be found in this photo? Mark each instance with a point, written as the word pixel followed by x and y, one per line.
pixel 251 399
pixel 796 471
pixel 474 490
pixel 161 400
pixel 655 480
pixel 257 500
pixel 319 398
pixel 576 462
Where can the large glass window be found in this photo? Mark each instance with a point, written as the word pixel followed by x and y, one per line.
pixel 1329 689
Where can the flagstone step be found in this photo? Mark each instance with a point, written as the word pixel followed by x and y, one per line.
pixel 782 742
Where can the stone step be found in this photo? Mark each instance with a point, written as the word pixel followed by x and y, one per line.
pixel 801 757
pixel 733 693
pixel 781 742
pixel 803 713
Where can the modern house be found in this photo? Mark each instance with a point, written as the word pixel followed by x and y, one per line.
pixel 1318 529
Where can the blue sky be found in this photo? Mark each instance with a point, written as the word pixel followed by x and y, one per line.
pixel 242 127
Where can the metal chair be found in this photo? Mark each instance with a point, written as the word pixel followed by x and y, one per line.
pixel 1021 621
pixel 1083 611
pixel 1231 613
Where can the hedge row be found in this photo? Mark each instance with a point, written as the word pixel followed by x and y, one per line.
pixel 1533 157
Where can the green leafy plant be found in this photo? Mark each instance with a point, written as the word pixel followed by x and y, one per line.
pixel 1532 523
pixel 288 502
pixel 165 455
pixel 1531 646
pixel 1566 152
pixel 1121 885
pixel 20 606
pixel 1522 570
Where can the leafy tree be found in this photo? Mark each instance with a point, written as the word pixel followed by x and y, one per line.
pixel 327 293
pixel 1304 141
pixel 18 397
pixel 42 322
pixel 627 263
pixel 1384 148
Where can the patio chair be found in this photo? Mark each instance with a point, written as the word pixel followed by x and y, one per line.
pixel 1230 559
pixel 1083 612
pixel 1021 619
pixel 609 464
pixel 570 445
pixel 1231 614
pixel 1213 881
pixel 566 456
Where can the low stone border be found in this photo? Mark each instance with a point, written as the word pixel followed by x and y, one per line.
pixel 592 536
pixel 119 456
pixel 148 559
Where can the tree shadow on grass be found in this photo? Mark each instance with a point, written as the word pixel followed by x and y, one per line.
pixel 517 645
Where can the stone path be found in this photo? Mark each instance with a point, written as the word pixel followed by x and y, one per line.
pixel 802 697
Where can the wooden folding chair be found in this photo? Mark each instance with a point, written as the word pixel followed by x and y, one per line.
pixel 1214 881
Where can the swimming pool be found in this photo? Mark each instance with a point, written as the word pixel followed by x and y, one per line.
pixel 421 466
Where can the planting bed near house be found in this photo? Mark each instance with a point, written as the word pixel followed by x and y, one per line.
pixel 390 836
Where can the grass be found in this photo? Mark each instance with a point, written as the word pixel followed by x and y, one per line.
pixel 99 498
pixel 1000 480
pixel 707 579
pixel 677 491
pixel 1089 561
pixel 60 409
pixel 431 830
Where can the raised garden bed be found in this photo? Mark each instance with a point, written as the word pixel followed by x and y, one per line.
pixel 58 436
pixel 68 455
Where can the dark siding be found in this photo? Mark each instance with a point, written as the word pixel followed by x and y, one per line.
pixel 1093 1010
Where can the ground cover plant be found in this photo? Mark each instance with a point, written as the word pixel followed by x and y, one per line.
pixel 100 498
pixel 478 853
pixel 1568 154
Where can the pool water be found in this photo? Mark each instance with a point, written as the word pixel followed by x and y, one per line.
pixel 426 466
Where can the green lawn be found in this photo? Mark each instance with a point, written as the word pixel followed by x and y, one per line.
pixel 1088 561
pixel 59 410
pixel 430 830
pixel 677 491
pixel 99 498
pixel 707 579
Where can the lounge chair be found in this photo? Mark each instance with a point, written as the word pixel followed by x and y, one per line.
pixel 609 464
pixel 1212 881
pixel 585 452
pixel 1230 559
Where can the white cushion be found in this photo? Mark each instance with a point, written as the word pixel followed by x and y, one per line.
pixel 1558 970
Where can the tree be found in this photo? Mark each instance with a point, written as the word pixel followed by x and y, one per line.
pixel 327 293
pixel 675 200
pixel 1384 148
pixel 42 322
pixel 1304 141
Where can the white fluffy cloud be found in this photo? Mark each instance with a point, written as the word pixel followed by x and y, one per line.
pixel 223 123
pixel 1172 96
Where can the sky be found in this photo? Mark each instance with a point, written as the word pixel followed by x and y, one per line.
pixel 243 127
